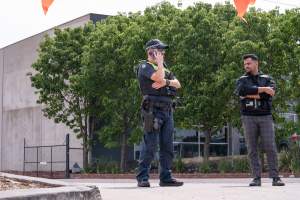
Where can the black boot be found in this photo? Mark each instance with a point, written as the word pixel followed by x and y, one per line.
pixel 277 182
pixel 143 183
pixel 255 182
pixel 170 183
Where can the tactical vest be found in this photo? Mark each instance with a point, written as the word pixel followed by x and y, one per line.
pixel 155 67
pixel 164 91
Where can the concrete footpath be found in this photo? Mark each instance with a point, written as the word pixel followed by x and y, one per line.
pixel 58 190
pixel 194 189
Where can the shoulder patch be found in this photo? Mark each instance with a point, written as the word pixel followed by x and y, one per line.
pixel 264 76
pixel 243 77
pixel 143 65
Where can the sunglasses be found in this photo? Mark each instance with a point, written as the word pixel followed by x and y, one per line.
pixel 162 51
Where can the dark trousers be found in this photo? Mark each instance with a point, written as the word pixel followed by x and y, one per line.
pixel 149 147
pixel 263 127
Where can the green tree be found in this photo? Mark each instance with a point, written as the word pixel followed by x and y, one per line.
pixel 115 46
pixel 199 63
pixel 86 74
pixel 57 69
pixel 273 36
pixel 285 48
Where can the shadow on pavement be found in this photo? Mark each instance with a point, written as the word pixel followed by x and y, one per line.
pixel 235 186
pixel 129 187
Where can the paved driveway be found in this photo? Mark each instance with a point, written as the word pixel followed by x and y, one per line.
pixel 212 189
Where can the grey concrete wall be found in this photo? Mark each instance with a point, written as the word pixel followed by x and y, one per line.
pixel 21 117
pixel 1 96
pixel 76 22
pixel 17 125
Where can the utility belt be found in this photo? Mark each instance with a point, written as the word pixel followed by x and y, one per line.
pixel 158 102
pixel 150 105
pixel 156 98
pixel 256 105
pixel 167 92
pixel 161 106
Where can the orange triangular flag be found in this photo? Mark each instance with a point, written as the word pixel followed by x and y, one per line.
pixel 46 4
pixel 241 7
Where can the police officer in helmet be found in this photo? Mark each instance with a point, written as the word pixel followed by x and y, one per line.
pixel 158 86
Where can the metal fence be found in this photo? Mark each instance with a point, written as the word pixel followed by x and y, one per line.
pixel 195 149
pixel 42 156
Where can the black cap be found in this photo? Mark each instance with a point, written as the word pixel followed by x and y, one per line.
pixel 250 55
pixel 156 44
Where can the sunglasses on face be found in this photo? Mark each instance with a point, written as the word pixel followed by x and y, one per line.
pixel 162 51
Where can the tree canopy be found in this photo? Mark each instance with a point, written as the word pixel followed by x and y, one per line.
pixel 88 71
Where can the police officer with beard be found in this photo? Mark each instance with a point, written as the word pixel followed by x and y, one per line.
pixel 158 86
pixel 255 91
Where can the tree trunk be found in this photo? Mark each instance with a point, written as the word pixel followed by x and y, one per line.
pixel 207 145
pixel 85 144
pixel 229 140
pixel 85 151
pixel 124 150
pixel 91 129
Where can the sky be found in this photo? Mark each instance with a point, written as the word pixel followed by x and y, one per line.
pixel 20 19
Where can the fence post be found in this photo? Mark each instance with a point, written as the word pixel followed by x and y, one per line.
pixel 67 175
pixel 24 157
pixel 199 143
pixel 37 161
pixel 51 162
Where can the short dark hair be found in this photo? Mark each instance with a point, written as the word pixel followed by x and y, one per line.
pixel 250 55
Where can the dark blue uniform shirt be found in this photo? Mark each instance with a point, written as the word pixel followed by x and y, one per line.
pixel 145 71
pixel 248 85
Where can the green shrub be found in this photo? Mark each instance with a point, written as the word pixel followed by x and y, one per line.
pixel 205 167
pixel 87 170
pixel 290 160
pixel 179 165
pixel 104 165
pixel 295 158
pixel 295 166
pixel 240 165
pixel 224 166
pixel 284 161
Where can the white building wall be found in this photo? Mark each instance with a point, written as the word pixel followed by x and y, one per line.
pixel 21 117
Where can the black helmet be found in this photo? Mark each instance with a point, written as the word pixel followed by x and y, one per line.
pixel 156 44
